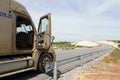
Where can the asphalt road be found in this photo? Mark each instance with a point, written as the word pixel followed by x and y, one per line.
pixel 65 54
pixel 61 54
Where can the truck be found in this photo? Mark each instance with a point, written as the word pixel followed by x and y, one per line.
pixel 22 46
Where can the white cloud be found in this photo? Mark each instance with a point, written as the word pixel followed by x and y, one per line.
pixel 100 8
pixel 79 19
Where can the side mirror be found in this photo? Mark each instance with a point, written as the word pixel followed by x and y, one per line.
pixel 52 39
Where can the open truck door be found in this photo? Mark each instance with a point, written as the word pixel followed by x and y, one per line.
pixel 44 32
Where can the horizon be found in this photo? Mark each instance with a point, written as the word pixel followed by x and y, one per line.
pixel 84 40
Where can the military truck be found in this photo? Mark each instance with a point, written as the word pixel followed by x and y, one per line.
pixel 22 47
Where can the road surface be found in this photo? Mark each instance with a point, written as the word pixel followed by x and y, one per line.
pixel 61 54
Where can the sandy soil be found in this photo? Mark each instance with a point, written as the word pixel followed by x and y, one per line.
pixel 100 71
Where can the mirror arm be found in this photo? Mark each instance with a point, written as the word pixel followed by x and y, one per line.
pixel 53 37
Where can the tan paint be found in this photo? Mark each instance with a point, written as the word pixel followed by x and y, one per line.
pixel 8 26
pixel 8 32
pixel 8 13
pixel 5 30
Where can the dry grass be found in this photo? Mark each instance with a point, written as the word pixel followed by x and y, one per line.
pixel 106 69
pixel 101 71
pixel 114 57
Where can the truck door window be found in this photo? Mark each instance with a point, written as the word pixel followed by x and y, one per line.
pixel 44 25
pixel 24 33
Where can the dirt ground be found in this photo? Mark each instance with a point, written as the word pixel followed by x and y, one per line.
pixel 100 71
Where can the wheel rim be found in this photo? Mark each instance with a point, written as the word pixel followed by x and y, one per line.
pixel 47 64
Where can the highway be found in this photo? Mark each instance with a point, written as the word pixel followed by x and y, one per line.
pixel 68 64
pixel 61 55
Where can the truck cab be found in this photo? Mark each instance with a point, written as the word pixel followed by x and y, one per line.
pixel 20 40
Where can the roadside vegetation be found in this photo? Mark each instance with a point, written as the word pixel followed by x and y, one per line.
pixel 119 45
pixel 114 57
pixel 116 41
pixel 64 45
pixel 106 69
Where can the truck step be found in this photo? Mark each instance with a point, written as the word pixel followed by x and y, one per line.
pixel 8 66
pixel 15 72
pixel 15 60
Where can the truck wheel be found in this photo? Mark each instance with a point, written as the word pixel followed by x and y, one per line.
pixel 45 63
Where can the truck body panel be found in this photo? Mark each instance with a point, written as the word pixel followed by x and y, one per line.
pixel 21 45
pixel 8 15
pixel 5 28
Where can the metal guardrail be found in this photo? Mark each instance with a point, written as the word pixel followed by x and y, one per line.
pixel 83 59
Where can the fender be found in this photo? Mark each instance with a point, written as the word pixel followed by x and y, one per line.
pixel 36 55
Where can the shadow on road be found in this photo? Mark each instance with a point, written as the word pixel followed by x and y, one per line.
pixel 23 76
pixel 30 75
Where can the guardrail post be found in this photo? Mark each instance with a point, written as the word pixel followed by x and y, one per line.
pixel 100 53
pixel 93 56
pixel 55 71
pixel 81 60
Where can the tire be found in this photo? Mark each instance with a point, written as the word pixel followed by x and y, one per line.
pixel 45 63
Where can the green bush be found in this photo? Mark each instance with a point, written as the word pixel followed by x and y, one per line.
pixel 119 45
pixel 63 45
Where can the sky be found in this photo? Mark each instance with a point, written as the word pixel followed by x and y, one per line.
pixel 75 20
